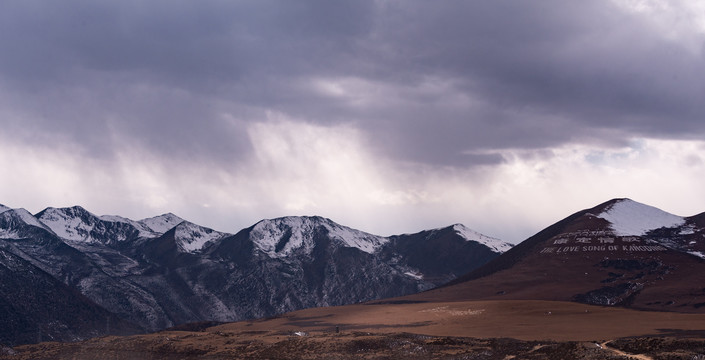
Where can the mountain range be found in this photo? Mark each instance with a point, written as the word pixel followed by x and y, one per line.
pixel 67 274
pixel 619 280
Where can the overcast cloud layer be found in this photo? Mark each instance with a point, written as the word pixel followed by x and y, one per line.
pixel 388 116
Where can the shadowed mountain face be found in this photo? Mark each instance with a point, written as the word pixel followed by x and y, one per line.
pixel 34 306
pixel 111 272
pixel 618 253
pixel 442 253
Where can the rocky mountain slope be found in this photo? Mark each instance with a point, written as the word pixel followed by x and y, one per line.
pixel 122 275
pixel 619 253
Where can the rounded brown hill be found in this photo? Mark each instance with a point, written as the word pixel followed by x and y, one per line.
pixel 618 253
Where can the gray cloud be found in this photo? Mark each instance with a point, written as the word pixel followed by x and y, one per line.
pixel 556 71
pixel 437 82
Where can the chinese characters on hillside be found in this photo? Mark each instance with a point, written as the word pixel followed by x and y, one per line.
pixel 594 241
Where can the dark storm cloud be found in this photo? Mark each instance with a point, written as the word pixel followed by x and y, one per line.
pixel 188 77
pixel 163 73
pixel 548 73
pixel 174 42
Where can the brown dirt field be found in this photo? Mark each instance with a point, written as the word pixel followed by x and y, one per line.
pixel 517 319
pixel 498 329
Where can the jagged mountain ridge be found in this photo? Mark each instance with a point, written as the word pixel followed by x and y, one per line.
pixel 76 224
pixel 280 237
pixel 166 271
pixel 618 253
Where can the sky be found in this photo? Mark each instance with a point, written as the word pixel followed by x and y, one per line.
pixel 388 116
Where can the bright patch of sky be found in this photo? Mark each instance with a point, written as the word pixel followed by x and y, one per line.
pixel 302 169
pixel 680 21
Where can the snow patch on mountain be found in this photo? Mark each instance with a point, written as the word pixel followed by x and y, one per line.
pixel 688 230
pixel 280 237
pixel 697 253
pixel 414 275
pixel 162 223
pixel 3 208
pixel 191 237
pixel 472 235
pixel 628 217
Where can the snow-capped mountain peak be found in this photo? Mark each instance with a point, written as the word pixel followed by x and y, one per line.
pixel 628 217
pixel 472 235
pixel 13 219
pixel 192 238
pixel 72 223
pixel 162 223
pixel 280 237
pixel 28 218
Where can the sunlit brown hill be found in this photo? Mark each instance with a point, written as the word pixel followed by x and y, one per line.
pixel 619 253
